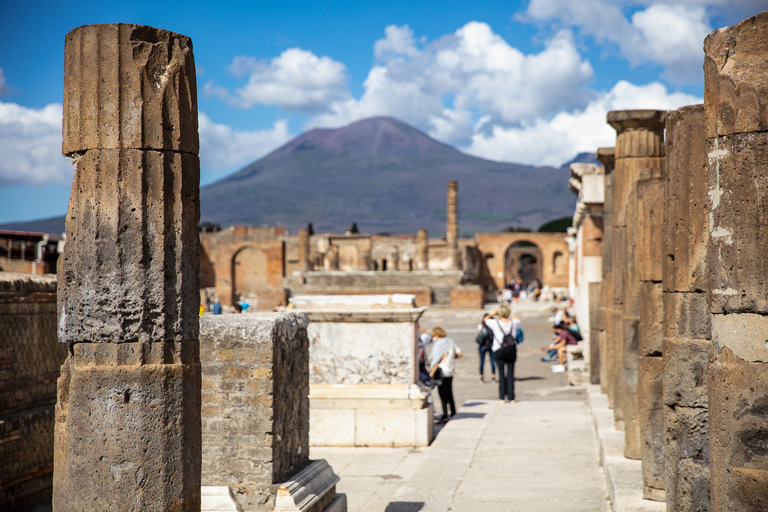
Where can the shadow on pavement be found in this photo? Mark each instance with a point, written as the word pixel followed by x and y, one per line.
pixel 532 377
pixel 404 506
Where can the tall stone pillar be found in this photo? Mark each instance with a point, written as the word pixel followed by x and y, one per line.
pixel 736 103
pixel 608 339
pixel 639 146
pixel 687 342
pixel 127 433
pixel 422 250
pixel 650 252
pixel 452 224
pixel 304 249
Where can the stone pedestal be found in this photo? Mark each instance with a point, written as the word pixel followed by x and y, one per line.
pixel 737 126
pixel 363 369
pixel 128 413
pixel 686 341
pixel 639 146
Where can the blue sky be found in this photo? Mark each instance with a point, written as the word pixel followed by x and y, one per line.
pixel 527 81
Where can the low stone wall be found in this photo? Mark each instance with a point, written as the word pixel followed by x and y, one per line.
pixel 470 297
pixel 255 407
pixel 422 296
pixel 30 361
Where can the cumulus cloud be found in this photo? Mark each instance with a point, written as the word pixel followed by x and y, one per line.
pixel 224 149
pixel 296 80
pixel 30 142
pixel 445 85
pixel 555 141
pixel 669 34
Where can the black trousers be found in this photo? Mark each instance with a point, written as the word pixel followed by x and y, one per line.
pixel 507 376
pixel 445 390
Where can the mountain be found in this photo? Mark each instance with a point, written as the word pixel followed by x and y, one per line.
pixel 387 177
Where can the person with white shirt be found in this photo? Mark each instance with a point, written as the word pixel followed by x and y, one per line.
pixel 506 324
pixel 442 358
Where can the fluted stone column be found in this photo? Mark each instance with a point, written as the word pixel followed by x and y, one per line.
pixel 422 250
pixel 687 342
pixel 128 413
pixel 639 146
pixel 304 249
pixel 650 252
pixel 608 338
pixel 452 224
pixel 736 103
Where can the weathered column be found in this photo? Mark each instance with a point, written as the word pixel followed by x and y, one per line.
pixel 304 249
pixel 736 103
pixel 422 250
pixel 128 413
pixel 687 342
pixel 639 146
pixel 452 223
pixel 607 337
pixel 650 251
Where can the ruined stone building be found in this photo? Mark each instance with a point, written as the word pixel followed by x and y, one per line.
pixel 29 252
pixel 676 287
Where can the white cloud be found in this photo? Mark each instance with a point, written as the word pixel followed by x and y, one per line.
pixel 670 34
pixel 296 80
pixel 30 142
pixel 555 141
pixel 443 87
pixel 224 149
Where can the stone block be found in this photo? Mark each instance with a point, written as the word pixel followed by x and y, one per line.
pixel 125 274
pixel 686 315
pixel 332 427
pixel 651 327
pixel 619 254
pixel 685 372
pixel 129 87
pixel 628 390
pixel 651 423
pixel 737 432
pixel 617 366
pixel 686 226
pixel 735 92
pixel 650 224
pixel 739 203
pixel 746 335
pixel 686 459
pixel 470 297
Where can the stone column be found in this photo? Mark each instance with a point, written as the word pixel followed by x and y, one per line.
pixel 304 249
pixel 650 223
pixel 687 342
pixel 452 223
pixel 608 339
pixel 127 431
pixel 736 106
pixel 639 146
pixel 422 250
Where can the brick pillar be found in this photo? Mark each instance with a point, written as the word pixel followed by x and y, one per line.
pixel 128 414
pixel 650 223
pixel 639 146
pixel 422 250
pixel 608 339
pixel 304 249
pixel 687 342
pixel 452 225
pixel 736 103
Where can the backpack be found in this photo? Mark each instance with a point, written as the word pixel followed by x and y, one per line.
pixel 485 337
pixel 508 345
pixel 576 334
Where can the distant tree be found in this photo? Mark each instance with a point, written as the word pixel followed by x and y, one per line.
pixel 354 229
pixel 557 225
pixel 208 227
pixel 310 229
pixel 516 229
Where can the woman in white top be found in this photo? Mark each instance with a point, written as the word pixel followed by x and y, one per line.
pixel 443 355
pixel 506 324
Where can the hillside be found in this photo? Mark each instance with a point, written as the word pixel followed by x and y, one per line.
pixel 388 177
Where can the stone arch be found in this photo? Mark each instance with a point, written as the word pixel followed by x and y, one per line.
pixel 523 259
pixel 559 264
pixel 249 271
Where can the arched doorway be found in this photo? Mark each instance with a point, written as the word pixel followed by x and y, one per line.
pixel 249 272
pixel 522 261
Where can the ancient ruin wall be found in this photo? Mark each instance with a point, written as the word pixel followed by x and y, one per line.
pixel 687 341
pixel 128 410
pixel 255 412
pixel 30 359
pixel 735 97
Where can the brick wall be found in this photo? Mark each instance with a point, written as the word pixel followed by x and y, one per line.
pixel 467 297
pixel 255 405
pixel 30 360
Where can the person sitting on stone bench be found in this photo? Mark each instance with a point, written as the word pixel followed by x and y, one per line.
pixel 563 337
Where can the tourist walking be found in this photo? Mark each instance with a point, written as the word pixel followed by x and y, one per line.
pixel 505 338
pixel 484 340
pixel 442 364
